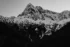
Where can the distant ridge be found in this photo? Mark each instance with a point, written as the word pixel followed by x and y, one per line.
pixel 34 9
pixel 38 11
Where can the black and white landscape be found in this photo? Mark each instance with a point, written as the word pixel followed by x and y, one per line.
pixel 35 27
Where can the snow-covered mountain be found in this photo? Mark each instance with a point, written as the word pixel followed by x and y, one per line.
pixel 32 25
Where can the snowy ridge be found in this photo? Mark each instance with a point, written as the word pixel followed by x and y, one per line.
pixel 49 24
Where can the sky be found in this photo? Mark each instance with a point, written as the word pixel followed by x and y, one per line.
pixel 15 7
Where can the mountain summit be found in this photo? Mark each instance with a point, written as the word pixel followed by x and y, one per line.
pixel 38 12
pixel 30 9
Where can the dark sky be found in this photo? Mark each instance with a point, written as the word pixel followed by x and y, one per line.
pixel 15 7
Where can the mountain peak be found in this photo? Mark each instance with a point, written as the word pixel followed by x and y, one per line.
pixel 28 10
pixel 30 5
